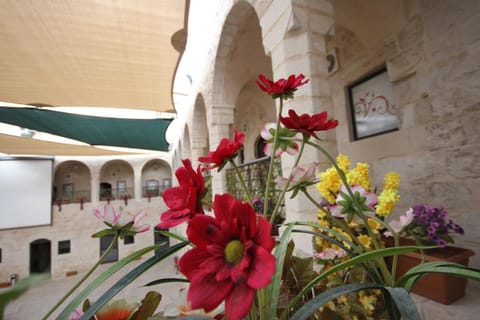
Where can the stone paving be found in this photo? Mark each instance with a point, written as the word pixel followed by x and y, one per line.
pixel 41 297
pixel 38 300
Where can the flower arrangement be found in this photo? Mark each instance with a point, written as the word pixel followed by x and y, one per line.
pixel 337 213
pixel 235 264
pixel 427 225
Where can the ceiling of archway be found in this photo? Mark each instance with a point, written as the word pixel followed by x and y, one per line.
pixel 108 53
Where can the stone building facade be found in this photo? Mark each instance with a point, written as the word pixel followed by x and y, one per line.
pixel 66 247
pixel 429 50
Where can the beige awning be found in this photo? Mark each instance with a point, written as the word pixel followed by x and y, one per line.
pixel 103 53
pixel 25 146
pixel 99 53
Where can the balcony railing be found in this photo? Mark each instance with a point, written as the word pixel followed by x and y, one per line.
pixel 254 174
pixel 72 197
pixel 104 195
pixel 153 192
pixel 116 194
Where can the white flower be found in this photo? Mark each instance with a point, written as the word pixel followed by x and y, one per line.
pixel 398 224
pixel 181 307
pixel 330 254
pixel 110 217
pixel 299 175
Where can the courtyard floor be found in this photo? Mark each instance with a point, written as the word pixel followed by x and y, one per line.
pixel 36 302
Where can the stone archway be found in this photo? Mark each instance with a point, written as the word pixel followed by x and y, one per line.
pixel 240 58
pixel 156 177
pixel 187 150
pixel 72 182
pixel 253 109
pixel 200 139
pixel 119 174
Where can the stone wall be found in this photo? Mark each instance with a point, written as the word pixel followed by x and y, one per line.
pixel 75 225
pixel 430 49
pixel 432 62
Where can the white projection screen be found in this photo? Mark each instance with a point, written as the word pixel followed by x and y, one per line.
pixel 25 191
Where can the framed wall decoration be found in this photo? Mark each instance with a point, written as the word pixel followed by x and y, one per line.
pixel 372 107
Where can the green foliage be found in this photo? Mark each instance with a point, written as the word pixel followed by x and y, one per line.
pixel 149 304
pixel 82 295
pixel 296 274
pixel 127 279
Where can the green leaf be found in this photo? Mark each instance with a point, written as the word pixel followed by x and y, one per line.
pixel 165 280
pixel 172 235
pixel 149 305
pixel 400 297
pixel 411 276
pixel 364 257
pixel 129 277
pixel 82 295
pixel 20 288
pixel 103 233
pixel 404 303
pixel 273 289
pixel 314 304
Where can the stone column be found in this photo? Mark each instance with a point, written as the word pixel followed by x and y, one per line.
pixel 220 126
pixel 296 42
pixel 95 186
pixel 199 146
pixel 137 183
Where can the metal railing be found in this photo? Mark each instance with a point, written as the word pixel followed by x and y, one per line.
pixel 153 192
pixel 72 197
pixel 116 194
pixel 254 173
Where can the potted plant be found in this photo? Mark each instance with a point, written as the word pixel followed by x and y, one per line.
pixel 426 225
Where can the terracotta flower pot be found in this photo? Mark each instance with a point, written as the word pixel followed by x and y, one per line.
pixel 438 287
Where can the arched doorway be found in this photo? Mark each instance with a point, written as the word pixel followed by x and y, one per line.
pixel 40 256
pixel 105 190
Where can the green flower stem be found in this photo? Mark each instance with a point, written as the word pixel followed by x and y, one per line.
pixel 272 160
pixel 75 287
pixel 252 314
pixel 396 241
pixel 262 305
pixel 284 190
pixel 335 221
pixel 242 181
pixel 359 248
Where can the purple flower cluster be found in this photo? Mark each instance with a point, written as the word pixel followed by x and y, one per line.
pixel 430 225
pixel 258 204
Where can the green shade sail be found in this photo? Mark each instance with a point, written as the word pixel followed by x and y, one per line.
pixel 117 132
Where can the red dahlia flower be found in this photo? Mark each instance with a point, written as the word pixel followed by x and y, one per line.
pixel 184 201
pixel 308 124
pixel 281 87
pixel 226 150
pixel 231 259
